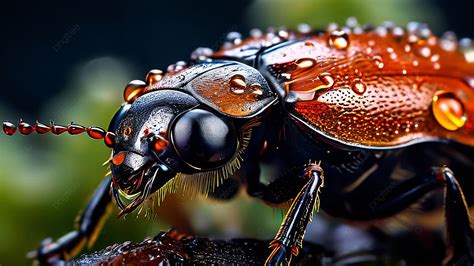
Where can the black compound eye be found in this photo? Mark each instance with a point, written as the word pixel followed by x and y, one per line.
pixel 118 117
pixel 203 140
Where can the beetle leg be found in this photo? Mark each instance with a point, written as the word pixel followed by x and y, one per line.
pixel 459 229
pixel 458 221
pixel 289 238
pixel 87 226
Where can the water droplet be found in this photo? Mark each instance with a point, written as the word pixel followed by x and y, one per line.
pixel 256 89
pixel 398 32
pixel 237 84
pixel 358 87
pixel 304 63
pixel 178 66
pixel 201 53
pixel 404 71
pixel 448 110
pixel 327 79
pixel 467 48
pixel 381 31
pixel 339 40
pixel 407 48
pixel 256 33
pixel 304 28
pixel 352 22
pixel 133 90
pixel 419 30
pixel 332 27
pixel 283 34
pixel 154 76
pixel 415 63
pixel 424 51
pixel 234 37
pixel 449 41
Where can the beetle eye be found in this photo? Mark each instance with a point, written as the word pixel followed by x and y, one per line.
pixel 203 140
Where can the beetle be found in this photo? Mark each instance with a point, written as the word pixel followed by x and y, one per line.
pixel 355 104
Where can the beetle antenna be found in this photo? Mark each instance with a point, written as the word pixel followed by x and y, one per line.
pixel 73 129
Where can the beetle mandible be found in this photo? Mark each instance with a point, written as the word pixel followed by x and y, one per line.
pixel 353 104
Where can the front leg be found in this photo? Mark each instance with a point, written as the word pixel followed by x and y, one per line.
pixel 289 238
pixel 87 227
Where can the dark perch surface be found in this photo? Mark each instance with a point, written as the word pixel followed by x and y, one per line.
pixel 170 248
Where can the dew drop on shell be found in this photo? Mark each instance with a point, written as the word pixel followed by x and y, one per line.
pixel 449 41
pixel 256 89
pixel 424 51
pixel 358 87
pixel 339 40
pixel 304 63
pixel 237 84
pixel 448 110
pixel 133 89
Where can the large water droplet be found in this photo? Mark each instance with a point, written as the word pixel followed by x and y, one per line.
pixel 133 89
pixel 448 110
pixel 237 84
pixel 339 40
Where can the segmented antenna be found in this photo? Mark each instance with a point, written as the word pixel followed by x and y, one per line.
pixel 73 129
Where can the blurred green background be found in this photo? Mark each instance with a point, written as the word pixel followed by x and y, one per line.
pixel 46 180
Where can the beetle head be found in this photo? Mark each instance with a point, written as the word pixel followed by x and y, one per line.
pixel 161 134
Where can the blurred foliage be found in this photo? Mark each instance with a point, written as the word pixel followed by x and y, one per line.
pixel 318 13
pixel 44 180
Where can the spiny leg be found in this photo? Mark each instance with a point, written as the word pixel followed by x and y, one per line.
pixel 87 227
pixel 289 238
